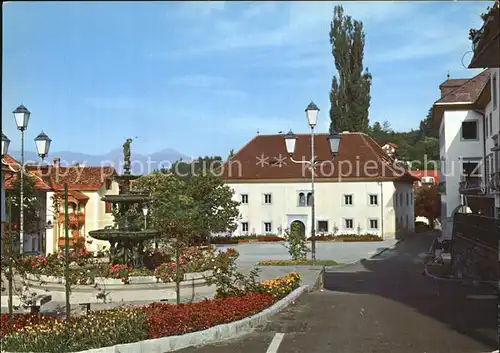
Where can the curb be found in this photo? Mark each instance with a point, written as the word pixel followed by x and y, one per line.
pixel 384 250
pixel 214 334
pixel 456 280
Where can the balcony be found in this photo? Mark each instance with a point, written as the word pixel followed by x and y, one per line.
pixel 471 185
pixel 75 219
pixel 494 183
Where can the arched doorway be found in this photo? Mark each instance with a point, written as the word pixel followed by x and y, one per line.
pixel 300 225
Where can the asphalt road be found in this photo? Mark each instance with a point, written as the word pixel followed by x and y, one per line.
pixel 382 305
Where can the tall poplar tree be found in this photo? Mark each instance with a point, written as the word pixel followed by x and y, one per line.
pixel 350 94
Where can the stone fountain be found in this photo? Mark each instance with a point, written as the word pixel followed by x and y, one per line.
pixel 128 235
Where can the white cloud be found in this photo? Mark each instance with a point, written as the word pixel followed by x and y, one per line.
pixel 213 84
pixel 197 9
pixel 199 81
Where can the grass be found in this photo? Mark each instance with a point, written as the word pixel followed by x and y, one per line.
pixel 297 262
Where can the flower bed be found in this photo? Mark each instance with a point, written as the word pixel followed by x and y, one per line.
pixel 228 240
pixel 347 238
pixel 38 333
pixel 296 262
pixel 85 271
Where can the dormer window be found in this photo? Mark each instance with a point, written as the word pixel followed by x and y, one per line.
pixel 109 184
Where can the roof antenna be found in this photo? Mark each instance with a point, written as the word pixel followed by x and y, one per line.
pixel 257 131
pixel 448 76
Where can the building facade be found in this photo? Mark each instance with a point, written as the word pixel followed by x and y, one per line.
pixel 86 211
pixel 469 118
pixel 360 191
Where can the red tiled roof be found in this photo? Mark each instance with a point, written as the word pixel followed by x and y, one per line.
pixel 78 195
pixel 469 91
pixel 426 173
pixel 77 177
pixel 359 157
pixel 40 184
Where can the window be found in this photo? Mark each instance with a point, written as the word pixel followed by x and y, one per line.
pixel 244 226
pixel 407 199
pixel 323 226
pixel 407 225
pixel 348 200
pixel 395 201
pixel 400 199
pixel 305 198
pixel 373 200
pixel 309 198
pixel 494 91
pixel 373 223
pixel 491 123
pixel 108 207
pixel 470 168
pixel 267 198
pixel 411 198
pixel 487 124
pixel 244 198
pixel 469 130
pixel 302 199
pixel 349 224
pixel 109 183
pixel 268 227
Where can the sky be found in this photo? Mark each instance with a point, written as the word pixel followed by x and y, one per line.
pixel 204 77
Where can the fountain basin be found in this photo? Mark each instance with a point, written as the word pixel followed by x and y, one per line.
pixel 126 198
pixel 119 234
pixel 140 288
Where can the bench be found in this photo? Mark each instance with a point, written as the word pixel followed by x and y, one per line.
pixel 38 301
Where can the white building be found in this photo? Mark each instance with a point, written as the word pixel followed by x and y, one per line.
pixel 86 186
pixel 468 114
pixel 361 192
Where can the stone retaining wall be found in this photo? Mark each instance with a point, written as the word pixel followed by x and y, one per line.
pixel 475 247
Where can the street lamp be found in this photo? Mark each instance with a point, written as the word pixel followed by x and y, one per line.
pixel 42 141
pixel 312 112
pixel 145 213
pixel 5 145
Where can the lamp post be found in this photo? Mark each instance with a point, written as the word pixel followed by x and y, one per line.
pixel 145 213
pixel 42 141
pixel 312 112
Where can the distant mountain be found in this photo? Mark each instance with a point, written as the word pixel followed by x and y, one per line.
pixel 141 164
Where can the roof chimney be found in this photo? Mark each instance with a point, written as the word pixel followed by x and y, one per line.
pixel 56 162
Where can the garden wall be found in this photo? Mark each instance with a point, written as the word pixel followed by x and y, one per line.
pixel 475 244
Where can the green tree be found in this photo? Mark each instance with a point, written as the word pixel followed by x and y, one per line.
pixel 350 93
pixel 200 166
pixel 32 204
pixel 428 127
pixel 183 208
pixel 428 203
pixel 296 242
pixel 172 212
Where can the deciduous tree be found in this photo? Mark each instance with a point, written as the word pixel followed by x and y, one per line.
pixel 428 203
pixel 350 93
pixel 32 204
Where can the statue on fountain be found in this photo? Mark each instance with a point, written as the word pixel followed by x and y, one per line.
pixel 126 155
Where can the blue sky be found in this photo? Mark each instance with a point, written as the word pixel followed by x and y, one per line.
pixel 203 77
